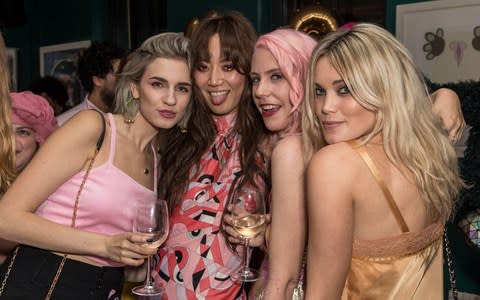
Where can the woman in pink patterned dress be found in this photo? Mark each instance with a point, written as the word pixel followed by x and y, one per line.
pixel 219 151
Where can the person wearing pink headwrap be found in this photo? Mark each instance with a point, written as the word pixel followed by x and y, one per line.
pixel 33 121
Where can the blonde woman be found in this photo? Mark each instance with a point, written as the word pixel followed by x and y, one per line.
pixel 153 94
pixel 380 192
pixel 7 147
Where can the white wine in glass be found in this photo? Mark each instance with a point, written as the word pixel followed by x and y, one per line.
pixel 151 218
pixel 247 209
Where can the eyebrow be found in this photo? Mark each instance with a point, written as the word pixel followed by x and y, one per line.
pixel 335 82
pixel 163 80
pixel 268 71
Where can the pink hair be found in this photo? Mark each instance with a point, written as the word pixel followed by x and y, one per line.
pixel 292 50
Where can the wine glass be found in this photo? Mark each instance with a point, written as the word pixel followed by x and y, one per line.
pixel 151 218
pixel 247 210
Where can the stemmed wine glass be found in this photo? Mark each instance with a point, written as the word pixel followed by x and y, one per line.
pixel 247 210
pixel 151 218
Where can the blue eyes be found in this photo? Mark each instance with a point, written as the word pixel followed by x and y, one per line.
pixel 341 91
pixel 319 92
pixel 274 77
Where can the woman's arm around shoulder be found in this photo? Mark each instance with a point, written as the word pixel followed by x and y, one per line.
pixel 330 205
pixel 288 227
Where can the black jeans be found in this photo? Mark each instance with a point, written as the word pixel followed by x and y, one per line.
pixel 34 269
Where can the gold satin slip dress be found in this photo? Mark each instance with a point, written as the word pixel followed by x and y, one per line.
pixel 406 266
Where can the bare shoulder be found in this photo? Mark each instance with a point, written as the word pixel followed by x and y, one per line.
pixel 289 148
pixel 444 94
pixel 338 158
pixel 86 124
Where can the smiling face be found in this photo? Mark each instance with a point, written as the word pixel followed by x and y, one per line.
pixel 270 91
pixel 342 118
pixel 219 82
pixel 164 92
pixel 25 146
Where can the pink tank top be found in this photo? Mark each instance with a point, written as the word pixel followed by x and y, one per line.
pixel 107 201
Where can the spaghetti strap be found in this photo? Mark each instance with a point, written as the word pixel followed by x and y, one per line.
pixel 113 138
pixel 360 149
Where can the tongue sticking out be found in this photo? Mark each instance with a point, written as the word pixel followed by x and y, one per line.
pixel 218 98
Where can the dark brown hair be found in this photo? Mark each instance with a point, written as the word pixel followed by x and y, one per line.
pixel 184 150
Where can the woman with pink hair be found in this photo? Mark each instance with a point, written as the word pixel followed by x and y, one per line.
pixel 278 73
pixel 279 68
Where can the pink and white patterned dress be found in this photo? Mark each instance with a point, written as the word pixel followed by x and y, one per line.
pixel 195 262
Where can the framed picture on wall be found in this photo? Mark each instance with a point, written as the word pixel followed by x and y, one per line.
pixel 60 61
pixel 443 37
pixel 12 60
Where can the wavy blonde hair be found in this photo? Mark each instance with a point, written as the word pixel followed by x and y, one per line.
pixel 7 148
pixel 381 76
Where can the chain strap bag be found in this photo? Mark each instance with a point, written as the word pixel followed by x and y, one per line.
pixel 74 217
pixel 453 294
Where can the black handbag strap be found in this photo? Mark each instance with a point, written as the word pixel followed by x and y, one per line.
pixel 102 135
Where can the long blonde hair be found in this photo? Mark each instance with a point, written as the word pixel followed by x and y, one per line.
pixel 381 75
pixel 7 148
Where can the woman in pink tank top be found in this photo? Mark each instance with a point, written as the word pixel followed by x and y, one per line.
pixel 153 95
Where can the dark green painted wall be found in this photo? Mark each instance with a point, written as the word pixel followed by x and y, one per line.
pixel 391 12
pixel 180 12
pixel 58 21
pixel 53 22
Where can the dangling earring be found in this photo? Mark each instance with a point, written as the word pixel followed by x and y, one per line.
pixel 132 119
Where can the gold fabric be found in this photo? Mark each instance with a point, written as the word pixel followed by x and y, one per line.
pixel 408 266
pixel 403 267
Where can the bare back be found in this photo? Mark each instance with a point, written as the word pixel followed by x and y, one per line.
pixel 374 216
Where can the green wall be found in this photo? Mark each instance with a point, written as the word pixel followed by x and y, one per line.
pixel 180 12
pixel 53 22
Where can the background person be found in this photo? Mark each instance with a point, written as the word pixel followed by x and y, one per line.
pixel 33 121
pixel 97 68
pixel 53 90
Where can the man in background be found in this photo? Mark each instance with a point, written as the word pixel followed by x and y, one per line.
pixel 97 68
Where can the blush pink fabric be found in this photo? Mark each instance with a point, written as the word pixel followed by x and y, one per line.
pixel 107 202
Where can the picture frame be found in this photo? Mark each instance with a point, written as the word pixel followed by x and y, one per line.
pixel 443 37
pixel 12 61
pixel 60 61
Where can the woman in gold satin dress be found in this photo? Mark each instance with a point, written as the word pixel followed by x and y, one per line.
pixel 380 191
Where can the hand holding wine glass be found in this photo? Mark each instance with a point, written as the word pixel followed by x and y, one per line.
pixel 151 219
pixel 247 210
